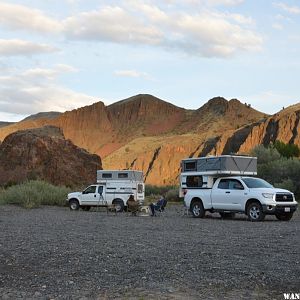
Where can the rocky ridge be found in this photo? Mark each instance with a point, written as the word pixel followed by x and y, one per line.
pixel 45 154
pixel 146 133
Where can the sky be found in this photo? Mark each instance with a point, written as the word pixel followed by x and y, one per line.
pixel 58 55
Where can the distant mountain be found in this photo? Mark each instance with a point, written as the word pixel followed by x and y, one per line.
pixel 147 133
pixel 43 115
pixel 3 124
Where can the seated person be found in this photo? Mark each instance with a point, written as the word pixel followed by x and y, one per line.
pixel 132 205
pixel 156 206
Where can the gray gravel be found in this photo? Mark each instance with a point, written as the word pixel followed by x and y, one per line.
pixel 54 253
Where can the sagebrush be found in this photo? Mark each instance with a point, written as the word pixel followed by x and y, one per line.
pixel 34 193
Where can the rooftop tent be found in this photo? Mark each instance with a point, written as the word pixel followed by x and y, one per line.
pixel 224 164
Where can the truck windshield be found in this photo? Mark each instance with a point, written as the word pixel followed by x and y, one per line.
pixel 256 183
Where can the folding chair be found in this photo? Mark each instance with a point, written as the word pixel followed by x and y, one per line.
pixel 159 206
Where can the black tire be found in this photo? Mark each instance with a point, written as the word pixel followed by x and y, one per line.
pixel 197 209
pixel 284 216
pixel 226 215
pixel 119 205
pixel 86 208
pixel 255 212
pixel 74 204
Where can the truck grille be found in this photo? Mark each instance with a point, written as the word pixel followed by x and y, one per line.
pixel 284 197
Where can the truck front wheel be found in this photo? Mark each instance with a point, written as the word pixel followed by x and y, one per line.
pixel 284 217
pixel 197 209
pixel 255 212
pixel 74 204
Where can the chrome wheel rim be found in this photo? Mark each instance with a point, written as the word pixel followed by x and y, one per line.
pixel 196 210
pixel 254 212
pixel 73 205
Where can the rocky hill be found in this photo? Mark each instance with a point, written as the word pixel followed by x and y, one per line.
pixel 44 153
pixel 146 133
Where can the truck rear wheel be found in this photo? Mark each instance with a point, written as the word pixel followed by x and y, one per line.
pixel 255 212
pixel 74 204
pixel 284 216
pixel 119 204
pixel 197 209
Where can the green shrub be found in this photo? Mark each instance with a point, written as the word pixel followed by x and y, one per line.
pixel 151 190
pixel 173 195
pixel 287 150
pixel 33 194
pixel 280 171
pixel 153 193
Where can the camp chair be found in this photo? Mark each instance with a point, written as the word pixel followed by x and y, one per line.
pixel 160 206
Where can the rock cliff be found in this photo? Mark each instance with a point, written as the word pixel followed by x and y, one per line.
pixel 45 154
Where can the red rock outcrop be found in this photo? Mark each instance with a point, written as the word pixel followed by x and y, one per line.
pixel 45 154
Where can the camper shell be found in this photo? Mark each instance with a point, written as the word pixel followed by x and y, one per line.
pixel 223 164
pixel 202 172
pixel 123 183
pixel 104 176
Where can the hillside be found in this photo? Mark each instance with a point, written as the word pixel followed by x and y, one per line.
pixel 147 133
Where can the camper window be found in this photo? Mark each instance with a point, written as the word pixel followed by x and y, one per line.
pixel 190 166
pixel 140 188
pixel 106 175
pixel 194 181
pixel 122 175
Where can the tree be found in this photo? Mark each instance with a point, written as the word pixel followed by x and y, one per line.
pixel 287 150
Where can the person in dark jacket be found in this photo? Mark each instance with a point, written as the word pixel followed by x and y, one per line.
pixel 132 205
pixel 158 205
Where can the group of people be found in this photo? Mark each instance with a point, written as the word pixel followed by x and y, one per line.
pixel 133 205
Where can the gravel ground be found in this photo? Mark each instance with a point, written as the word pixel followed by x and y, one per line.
pixel 54 253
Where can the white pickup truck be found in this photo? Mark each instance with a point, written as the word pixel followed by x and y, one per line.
pixel 223 184
pixel 112 187
pixel 238 194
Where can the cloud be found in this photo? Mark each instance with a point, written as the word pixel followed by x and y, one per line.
pixel 277 26
pixel 36 90
pixel 206 33
pixel 290 9
pixel 20 47
pixel 206 2
pixel 112 24
pixel 131 73
pixel 20 17
pixel 224 2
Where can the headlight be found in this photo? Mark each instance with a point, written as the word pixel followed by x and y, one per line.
pixel 268 195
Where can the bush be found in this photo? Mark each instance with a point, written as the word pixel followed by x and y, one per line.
pixel 280 171
pixel 173 195
pixel 287 150
pixel 153 193
pixel 33 194
pixel 265 155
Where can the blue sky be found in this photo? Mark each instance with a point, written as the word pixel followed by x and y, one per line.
pixel 64 54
